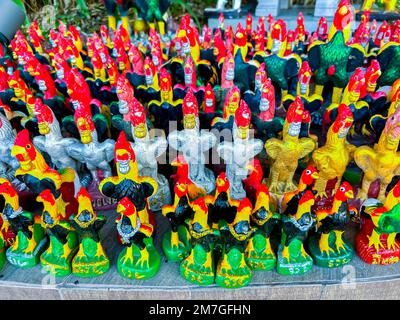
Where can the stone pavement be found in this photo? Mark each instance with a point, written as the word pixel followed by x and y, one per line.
pixel 354 281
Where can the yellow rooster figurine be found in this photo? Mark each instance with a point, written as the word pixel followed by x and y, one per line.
pixel 285 153
pixel 382 162
pixel 332 159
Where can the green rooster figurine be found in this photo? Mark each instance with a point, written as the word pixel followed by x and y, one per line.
pixel 140 259
pixel 63 239
pixel 91 260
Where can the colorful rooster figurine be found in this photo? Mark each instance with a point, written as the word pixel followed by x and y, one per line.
pixel 290 200
pixel 380 223
pixel 232 269
pixel 91 260
pixel 292 256
pixel 176 243
pixel 140 259
pixel 328 248
pixel 285 153
pixel 330 60
pixel 259 252
pixel 31 240
pixel 38 176
pixel 198 267
pixel 63 239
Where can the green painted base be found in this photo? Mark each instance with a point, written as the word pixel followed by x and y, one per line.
pixel 233 271
pixel 176 254
pixel 91 260
pixel 57 258
pixel 257 255
pixel 335 259
pixel 2 254
pixel 297 264
pixel 136 268
pixel 198 268
pixel 18 257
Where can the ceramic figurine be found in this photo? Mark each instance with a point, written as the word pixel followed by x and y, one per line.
pixel 151 90
pixel 90 151
pixel 376 242
pixel 140 259
pixel 381 162
pixel 198 267
pixel 153 11
pixel 193 142
pixel 252 97
pixel 8 163
pixel 237 154
pixel 290 199
pixel 147 151
pixel 182 173
pixel 259 252
pixel 232 269
pixel 266 124
pixel 282 152
pixel 90 260
pixel 221 207
pixel 167 109
pixel 208 113
pixel 388 60
pixel 128 182
pixel 190 81
pixel 351 96
pixel 390 5
pixel 30 239
pixel 136 76
pixel 312 102
pixel 377 122
pixel 329 60
pixel 122 6
pixel 282 70
pixel 292 256
pixel 332 158
pixel 245 69
pixel 51 140
pixel 35 173
pixel 227 79
pixel 328 248
pixel 126 99
pixel 176 243
pixel 231 104
pixel 63 239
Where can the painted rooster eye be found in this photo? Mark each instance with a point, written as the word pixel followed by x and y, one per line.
pixel 28 146
pixel 308 171
pixel 342 189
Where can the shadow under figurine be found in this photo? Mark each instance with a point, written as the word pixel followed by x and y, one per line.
pixel 139 259
pixel 91 260
pixel 30 240
pixel 63 239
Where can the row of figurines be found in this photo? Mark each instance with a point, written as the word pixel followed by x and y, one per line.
pixel 215 237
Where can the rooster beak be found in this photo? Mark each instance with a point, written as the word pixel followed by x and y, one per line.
pixel 175 163
pixel 251 168
pixel 17 150
pixel 315 175
pixel 350 194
